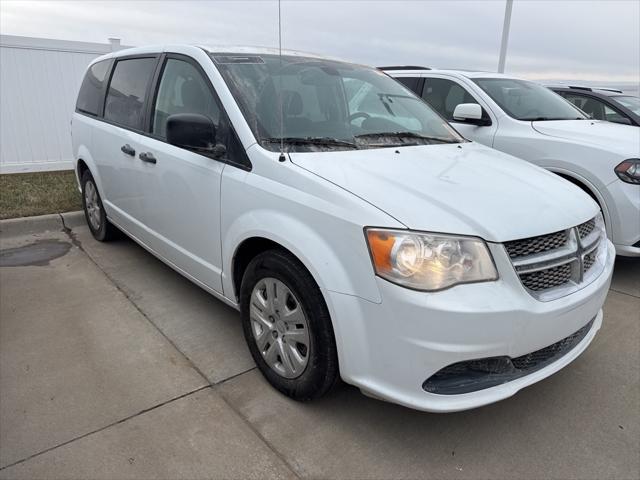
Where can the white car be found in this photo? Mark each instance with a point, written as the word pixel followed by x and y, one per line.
pixel 356 232
pixel 531 122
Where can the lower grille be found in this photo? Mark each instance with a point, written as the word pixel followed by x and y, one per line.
pixel 473 375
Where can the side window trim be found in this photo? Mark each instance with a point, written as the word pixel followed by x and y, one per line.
pixel 153 97
pixel 146 95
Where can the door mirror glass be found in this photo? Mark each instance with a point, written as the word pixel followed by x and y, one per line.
pixel 192 131
pixel 469 113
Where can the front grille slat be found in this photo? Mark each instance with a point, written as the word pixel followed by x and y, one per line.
pixel 539 244
pixel 548 278
pixel 547 263
pixel 586 228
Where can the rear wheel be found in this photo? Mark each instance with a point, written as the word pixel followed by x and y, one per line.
pixel 287 326
pixel 101 229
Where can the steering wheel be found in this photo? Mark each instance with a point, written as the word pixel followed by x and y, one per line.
pixel 356 115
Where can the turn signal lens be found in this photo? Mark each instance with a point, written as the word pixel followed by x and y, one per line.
pixel 629 171
pixel 430 262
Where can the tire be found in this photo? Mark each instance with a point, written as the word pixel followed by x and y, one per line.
pixel 101 229
pixel 284 346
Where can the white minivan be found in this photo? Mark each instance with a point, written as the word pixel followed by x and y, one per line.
pixel 356 232
pixel 531 122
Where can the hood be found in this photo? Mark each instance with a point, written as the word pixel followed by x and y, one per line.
pixel 465 189
pixel 623 139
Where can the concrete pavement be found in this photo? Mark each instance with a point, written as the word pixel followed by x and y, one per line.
pixel 114 366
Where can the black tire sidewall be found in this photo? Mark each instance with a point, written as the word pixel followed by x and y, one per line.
pixel 321 371
pixel 101 233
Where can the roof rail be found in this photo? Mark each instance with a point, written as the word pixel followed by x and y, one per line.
pixel 403 67
pixel 607 89
pixel 579 87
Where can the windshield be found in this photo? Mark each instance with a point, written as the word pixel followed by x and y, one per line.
pixel 632 103
pixel 327 104
pixel 525 100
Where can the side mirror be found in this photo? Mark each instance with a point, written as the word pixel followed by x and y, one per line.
pixel 470 113
pixel 193 132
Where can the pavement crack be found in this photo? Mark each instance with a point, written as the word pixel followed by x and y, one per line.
pixel 255 431
pixel 624 293
pixel 98 430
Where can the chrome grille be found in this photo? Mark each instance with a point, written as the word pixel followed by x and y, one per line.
pixel 541 243
pixel 556 264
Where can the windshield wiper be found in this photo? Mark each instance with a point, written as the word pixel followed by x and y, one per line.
pixel 411 135
pixel 544 119
pixel 326 141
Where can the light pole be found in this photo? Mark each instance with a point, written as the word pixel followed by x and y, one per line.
pixel 505 35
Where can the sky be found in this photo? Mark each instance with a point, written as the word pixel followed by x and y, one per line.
pixel 588 40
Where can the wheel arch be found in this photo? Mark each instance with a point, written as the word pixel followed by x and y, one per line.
pixel 588 188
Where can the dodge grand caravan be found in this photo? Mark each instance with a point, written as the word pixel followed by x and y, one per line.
pixel 357 233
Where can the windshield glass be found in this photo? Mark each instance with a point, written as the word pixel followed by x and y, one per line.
pixel 327 104
pixel 632 103
pixel 525 100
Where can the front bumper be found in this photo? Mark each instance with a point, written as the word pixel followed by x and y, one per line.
pixel 624 211
pixel 390 349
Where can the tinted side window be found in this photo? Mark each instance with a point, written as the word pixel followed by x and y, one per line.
pixel 445 95
pixel 91 94
pixel 410 82
pixel 127 90
pixel 589 105
pixel 182 90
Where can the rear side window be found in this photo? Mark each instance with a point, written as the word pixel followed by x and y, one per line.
pixel 91 92
pixel 127 90
pixel 410 82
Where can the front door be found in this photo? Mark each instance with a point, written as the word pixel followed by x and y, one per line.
pixel 181 188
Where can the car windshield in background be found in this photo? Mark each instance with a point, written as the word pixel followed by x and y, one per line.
pixel 528 101
pixel 632 103
pixel 327 105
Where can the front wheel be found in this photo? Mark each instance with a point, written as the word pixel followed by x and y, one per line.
pixel 287 326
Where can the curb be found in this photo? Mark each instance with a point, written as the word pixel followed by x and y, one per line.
pixel 25 225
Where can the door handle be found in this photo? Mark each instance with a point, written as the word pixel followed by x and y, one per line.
pixel 147 157
pixel 128 150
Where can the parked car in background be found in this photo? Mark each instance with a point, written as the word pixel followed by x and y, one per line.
pixel 603 103
pixel 357 233
pixel 529 121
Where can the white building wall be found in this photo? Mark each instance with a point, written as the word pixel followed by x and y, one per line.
pixel 39 80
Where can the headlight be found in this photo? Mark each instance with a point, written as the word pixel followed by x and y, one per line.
pixel 425 261
pixel 629 171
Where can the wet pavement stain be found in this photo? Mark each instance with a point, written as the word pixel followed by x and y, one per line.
pixel 37 254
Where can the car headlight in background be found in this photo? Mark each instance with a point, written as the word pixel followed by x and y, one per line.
pixel 629 171
pixel 425 261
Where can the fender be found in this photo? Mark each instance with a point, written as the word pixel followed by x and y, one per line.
pixel 328 269
pixel 602 200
